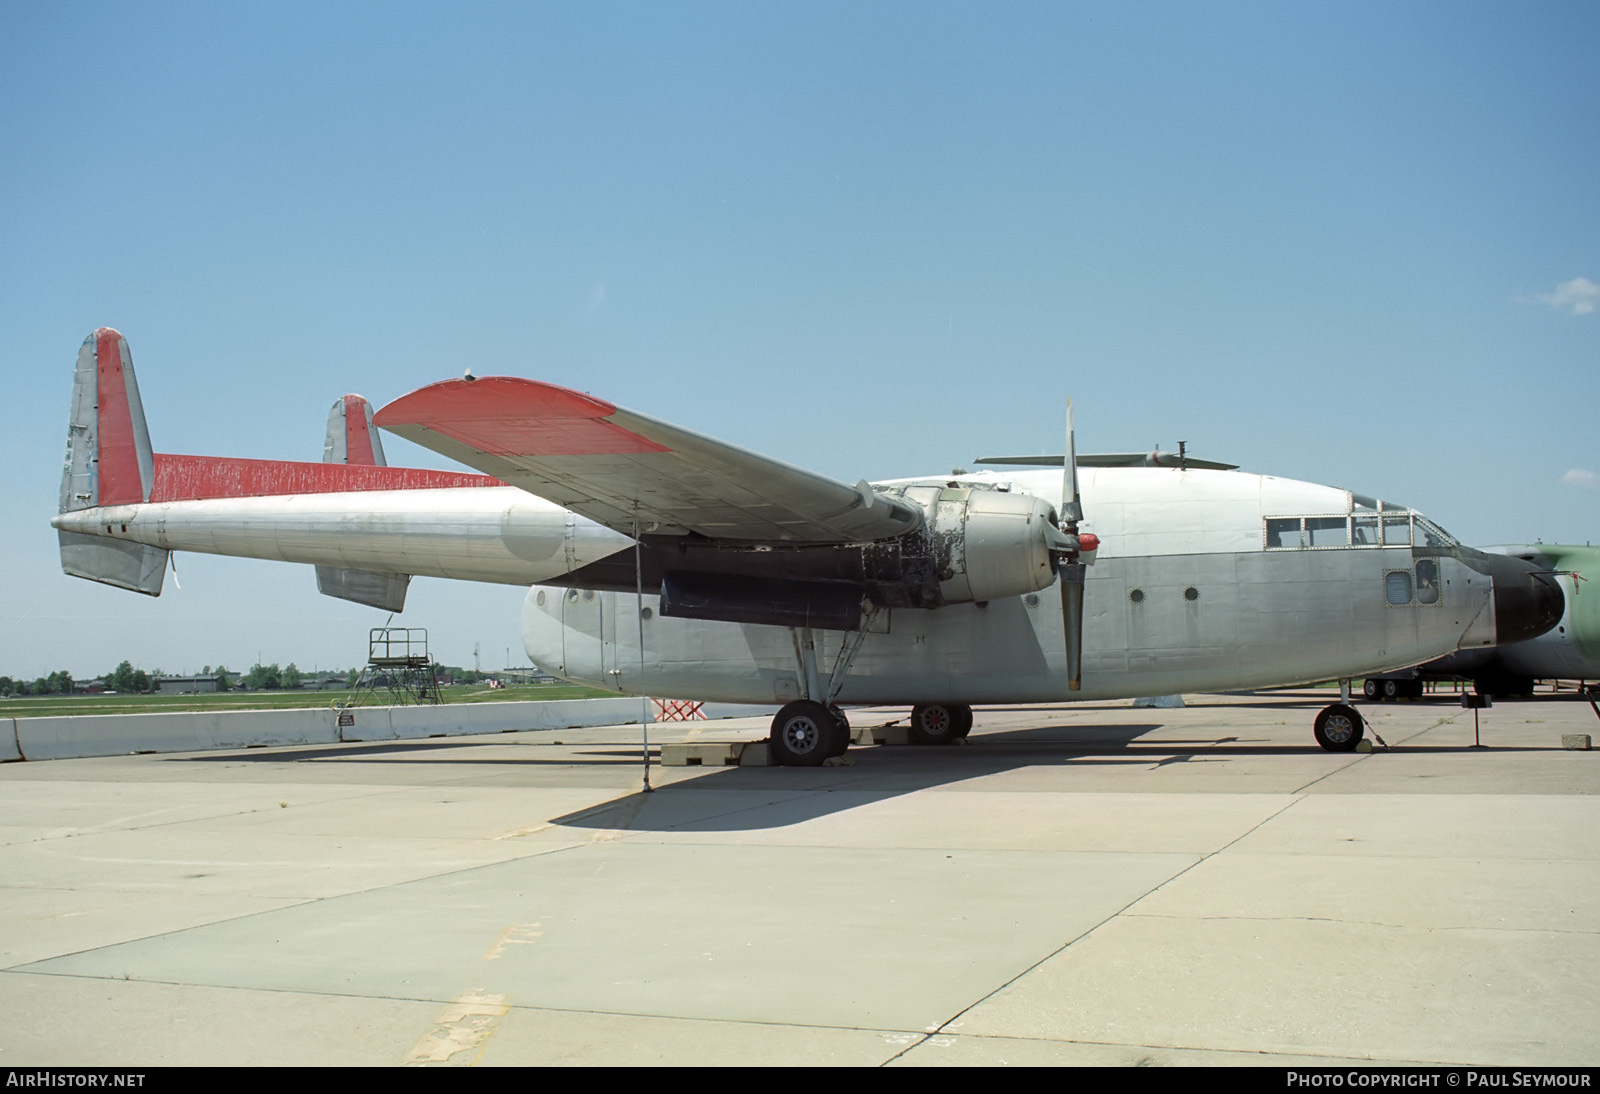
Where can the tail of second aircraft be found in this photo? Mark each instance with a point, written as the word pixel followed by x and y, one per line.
pixel 109 462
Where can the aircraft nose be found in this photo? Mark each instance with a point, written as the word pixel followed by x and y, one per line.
pixel 1527 602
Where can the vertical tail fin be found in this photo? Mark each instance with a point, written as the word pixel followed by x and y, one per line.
pixel 353 439
pixel 108 462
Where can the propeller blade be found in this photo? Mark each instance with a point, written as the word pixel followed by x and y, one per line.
pixel 1071 506
pixel 1072 621
pixel 1070 567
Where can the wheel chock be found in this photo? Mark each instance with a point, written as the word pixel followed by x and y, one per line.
pixel 716 754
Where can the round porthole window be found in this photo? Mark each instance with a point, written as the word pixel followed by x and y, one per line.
pixel 1191 593
pixel 1137 596
pixel 538 598
pixel 645 613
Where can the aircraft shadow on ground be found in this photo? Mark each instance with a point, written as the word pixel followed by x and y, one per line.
pixel 366 751
pixel 776 797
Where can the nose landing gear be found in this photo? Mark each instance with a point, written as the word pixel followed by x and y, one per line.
pixel 1339 728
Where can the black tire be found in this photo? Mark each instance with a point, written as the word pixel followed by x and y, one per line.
pixel 1339 728
pixel 938 723
pixel 804 734
pixel 1369 688
pixel 963 719
pixel 1392 690
pixel 842 724
pixel 1414 689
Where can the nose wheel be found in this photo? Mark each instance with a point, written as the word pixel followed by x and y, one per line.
pixel 1339 728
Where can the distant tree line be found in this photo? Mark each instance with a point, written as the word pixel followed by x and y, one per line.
pixel 57 683
pixel 129 680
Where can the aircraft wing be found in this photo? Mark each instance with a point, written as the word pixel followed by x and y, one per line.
pixel 627 471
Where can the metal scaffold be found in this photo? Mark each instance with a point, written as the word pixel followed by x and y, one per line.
pixel 399 669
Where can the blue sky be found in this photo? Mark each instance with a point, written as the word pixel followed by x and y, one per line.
pixel 1346 242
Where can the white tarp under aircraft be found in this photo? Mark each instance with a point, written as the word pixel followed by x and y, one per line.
pixel 662 562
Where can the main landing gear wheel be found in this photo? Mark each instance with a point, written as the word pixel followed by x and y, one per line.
pixel 939 723
pixel 806 733
pixel 1391 690
pixel 1339 728
pixel 1369 688
pixel 842 724
pixel 963 719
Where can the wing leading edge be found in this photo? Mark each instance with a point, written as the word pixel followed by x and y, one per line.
pixel 627 471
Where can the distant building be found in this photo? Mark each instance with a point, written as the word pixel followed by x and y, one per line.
pixel 187 685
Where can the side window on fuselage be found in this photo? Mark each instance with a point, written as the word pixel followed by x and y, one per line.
pixel 1427 581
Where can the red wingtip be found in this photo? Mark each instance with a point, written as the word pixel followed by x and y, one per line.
pixel 510 416
pixel 461 399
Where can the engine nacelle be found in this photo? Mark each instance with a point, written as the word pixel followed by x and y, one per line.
pixel 986 544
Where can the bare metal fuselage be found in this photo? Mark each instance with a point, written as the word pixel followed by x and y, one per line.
pixel 1188 592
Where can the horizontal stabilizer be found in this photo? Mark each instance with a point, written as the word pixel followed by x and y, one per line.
pixel 375 590
pixel 127 565
pixel 353 441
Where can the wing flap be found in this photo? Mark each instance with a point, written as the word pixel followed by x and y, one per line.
pixel 623 469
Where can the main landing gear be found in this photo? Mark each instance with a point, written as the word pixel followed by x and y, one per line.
pixel 804 733
pixel 1392 689
pixel 940 723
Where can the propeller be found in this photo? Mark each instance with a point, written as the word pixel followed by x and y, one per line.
pixel 1070 547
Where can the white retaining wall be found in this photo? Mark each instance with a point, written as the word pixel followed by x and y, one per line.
pixel 57 738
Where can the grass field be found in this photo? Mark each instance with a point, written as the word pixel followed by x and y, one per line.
pixel 46 705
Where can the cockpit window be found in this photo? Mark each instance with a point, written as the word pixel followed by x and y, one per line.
pixel 1327 531
pixel 1431 535
pixel 1384 528
pixel 1283 532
